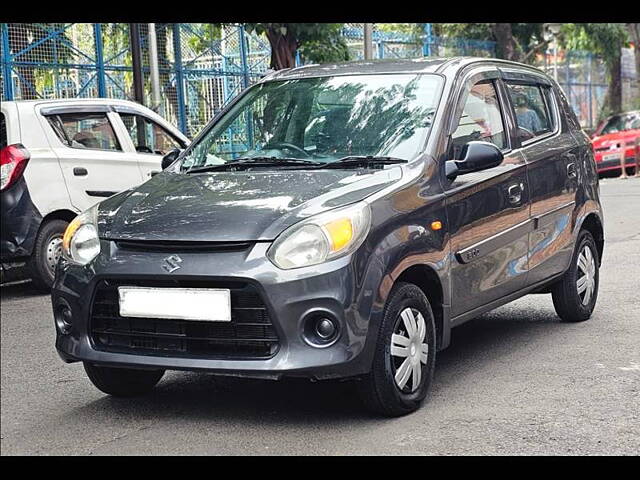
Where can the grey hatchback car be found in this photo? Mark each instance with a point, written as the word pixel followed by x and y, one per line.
pixel 337 221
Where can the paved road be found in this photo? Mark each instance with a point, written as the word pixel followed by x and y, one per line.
pixel 515 381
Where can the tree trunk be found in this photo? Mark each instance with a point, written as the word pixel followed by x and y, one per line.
pixel 506 45
pixel 634 32
pixel 283 49
pixel 613 102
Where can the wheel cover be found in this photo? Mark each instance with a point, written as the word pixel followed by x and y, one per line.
pixel 54 250
pixel 586 282
pixel 409 351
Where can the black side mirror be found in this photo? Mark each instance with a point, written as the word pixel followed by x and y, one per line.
pixel 476 156
pixel 170 157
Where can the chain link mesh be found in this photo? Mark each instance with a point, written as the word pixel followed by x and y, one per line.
pixel 215 63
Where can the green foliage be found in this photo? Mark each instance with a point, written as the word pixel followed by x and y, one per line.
pixel 476 31
pixel 317 42
pixel 208 33
pixel 527 36
pixel 604 39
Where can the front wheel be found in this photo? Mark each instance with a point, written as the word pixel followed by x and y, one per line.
pixel 404 360
pixel 47 250
pixel 122 382
pixel 575 295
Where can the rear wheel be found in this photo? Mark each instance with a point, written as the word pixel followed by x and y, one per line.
pixel 122 382
pixel 575 295
pixel 404 360
pixel 46 253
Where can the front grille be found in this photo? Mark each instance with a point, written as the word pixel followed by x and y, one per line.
pixel 249 335
pixel 181 246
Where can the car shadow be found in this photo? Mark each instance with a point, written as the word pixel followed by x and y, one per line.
pixel 476 345
pixel 21 289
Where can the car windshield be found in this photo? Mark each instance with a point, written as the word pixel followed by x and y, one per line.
pixel 620 123
pixel 323 119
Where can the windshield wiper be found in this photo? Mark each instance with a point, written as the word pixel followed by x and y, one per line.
pixel 362 161
pixel 253 162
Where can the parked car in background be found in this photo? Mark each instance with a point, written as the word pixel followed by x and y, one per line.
pixel 361 211
pixel 615 133
pixel 58 158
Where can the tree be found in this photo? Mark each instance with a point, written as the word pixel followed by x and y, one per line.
pixel 514 41
pixel 317 42
pixel 605 40
pixel 634 35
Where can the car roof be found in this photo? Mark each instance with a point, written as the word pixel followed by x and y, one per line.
pixel 77 101
pixel 382 66
pixel 88 102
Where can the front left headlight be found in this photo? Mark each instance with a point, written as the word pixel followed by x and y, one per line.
pixel 322 237
pixel 80 243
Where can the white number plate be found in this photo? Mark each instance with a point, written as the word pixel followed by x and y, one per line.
pixel 210 304
pixel 611 156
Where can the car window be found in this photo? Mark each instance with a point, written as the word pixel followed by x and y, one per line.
pixel 324 119
pixel 480 119
pixel 532 107
pixel 620 123
pixel 148 136
pixel 3 131
pixel 91 131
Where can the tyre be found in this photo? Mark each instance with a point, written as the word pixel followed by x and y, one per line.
pixel 575 295
pixel 404 359
pixel 122 382
pixel 46 252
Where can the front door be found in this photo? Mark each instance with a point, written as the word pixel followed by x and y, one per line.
pixel 488 211
pixel 151 142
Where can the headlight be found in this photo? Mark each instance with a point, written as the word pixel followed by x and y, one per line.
pixel 322 237
pixel 80 243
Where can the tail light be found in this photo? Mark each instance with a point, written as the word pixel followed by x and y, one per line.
pixel 13 160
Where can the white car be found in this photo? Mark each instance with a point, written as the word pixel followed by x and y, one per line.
pixel 59 157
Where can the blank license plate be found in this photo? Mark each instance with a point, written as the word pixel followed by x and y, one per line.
pixel 209 304
pixel 611 156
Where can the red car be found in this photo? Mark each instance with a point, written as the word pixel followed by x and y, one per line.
pixel 609 136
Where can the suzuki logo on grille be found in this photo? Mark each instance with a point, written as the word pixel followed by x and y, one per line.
pixel 172 263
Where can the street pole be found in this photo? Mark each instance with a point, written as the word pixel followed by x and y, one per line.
pixel 155 73
pixel 368 41
pixel 136 57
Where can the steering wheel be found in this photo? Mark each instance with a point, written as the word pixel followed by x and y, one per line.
pixel 525 132
pixel 287 146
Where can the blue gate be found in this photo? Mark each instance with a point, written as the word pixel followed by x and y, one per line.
pixel 202 65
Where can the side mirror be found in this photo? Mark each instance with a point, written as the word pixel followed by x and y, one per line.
pixel 476 156
pixel 170 157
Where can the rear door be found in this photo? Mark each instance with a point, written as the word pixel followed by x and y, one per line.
pixel 488 211
pixel 552 164
pixel 95 161
pixel 150 140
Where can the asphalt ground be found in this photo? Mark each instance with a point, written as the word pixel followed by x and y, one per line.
pixel 514 381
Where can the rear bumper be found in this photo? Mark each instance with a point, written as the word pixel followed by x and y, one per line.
pixel 614 164
pixel 290 296
pixel 19 223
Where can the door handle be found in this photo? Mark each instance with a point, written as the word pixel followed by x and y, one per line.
pixel 515 193
pixel 79 171
pixel 571 170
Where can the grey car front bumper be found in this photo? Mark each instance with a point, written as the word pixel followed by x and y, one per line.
pixel 291 297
